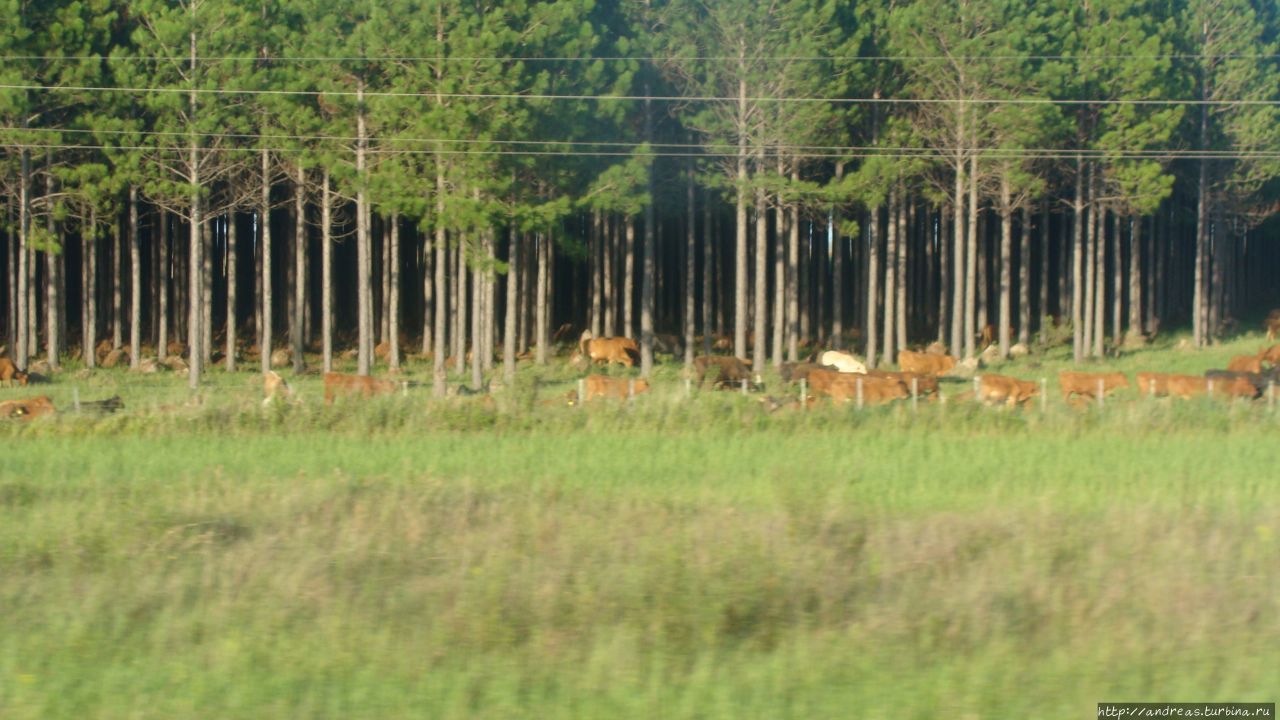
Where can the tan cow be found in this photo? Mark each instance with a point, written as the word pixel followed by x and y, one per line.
pixel 843 387
pixel 1004 390
pixel 27 408
pixel 1086 384
pixel 342 385
pixel 1189 386
pixel 925 363
pixel 603 386
pixel 1153 384
pixel 621 350
pixel 925 384
pixel 273 387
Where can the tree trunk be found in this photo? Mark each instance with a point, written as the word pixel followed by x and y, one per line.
pixel 761 296
pixel 513 303
pixel 837 278
pixel 873 283
pixel 194 247
pixel 264 228
pixel 779 279
pixel 1024 280
pixel 690 271
pixel 393 305
pixel 958 265
pixel 891 278
pixel 460 326
pixel 296 327
pixel 904 243
pixel 232 239
pixel 629 280
pixel 364 248
pixel 1077 267
pixel 1006 265
pixel 441 308
pixel 206 290
pixel 117 286
pixel 971 264
pixel 52 302
pixel 1117 286
pixel 544 263
pixel 708 274
pixel 1100 278
pixel 597 255
pixel 477 325
pixel 1135 276
pixel 88 284
pixel 326 271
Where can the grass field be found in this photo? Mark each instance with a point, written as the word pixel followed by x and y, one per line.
pixel 672 558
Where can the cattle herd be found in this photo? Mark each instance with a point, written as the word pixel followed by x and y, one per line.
pixel 834 375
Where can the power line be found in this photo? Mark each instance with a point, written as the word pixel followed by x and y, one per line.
pixel 627 58
pixel 998 153
pixel 431 95
pixel 718 148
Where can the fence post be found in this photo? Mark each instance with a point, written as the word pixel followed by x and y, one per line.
pixel 1151 388
pixel 688 388
pixel 1044 394
pixel 1271 395
pixel 804 395
pixel 977 388
pixel 75 397
pixel 1209 387
pixel 1101 401
pixel 744 387
pixel 582 391
pixel 631 388
pixel 858 383
pixel 915 393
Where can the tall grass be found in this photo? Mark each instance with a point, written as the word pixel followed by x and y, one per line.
pixel 672 557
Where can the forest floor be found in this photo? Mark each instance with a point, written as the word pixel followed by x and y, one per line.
pixel 673 557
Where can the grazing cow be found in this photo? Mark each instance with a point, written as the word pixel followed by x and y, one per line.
pixel 1257 382
pixel 1245 363
pixel 842 361
pixel 10 374
pixel 1153 384
pixel 1272 324
pixel 925 384
pixel 341 385
pixel 844 387
pixel 797 371
pixel 274 386
pixel 925 363
pixel 27 408
pixel 116 357
pixel 101 349
pixel 603 386
pixel 1189 386
pixel 730 370
pixel 621 350
pixel 1001 389
pixel 1086 384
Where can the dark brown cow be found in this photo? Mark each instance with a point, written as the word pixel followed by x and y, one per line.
pixel 729 370
pixel 338 385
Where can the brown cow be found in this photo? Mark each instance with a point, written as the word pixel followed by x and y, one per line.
pixel 1153 384
pixel 341 385
pixel 1001 389
pixel 1245 363
pixel 622 350
pixel 842 387
pixel 1086 384
pixel 1189 386
pixel 27 408
pixel 925 384
pixel 603 386
pixel 925 363
pixel 730 370
pixel 10 374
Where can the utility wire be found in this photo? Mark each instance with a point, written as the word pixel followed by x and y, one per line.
pixel 625 58
pixel 431 95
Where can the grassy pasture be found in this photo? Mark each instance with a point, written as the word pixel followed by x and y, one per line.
pixel 682 558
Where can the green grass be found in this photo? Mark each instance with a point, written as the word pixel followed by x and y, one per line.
pixel 674 558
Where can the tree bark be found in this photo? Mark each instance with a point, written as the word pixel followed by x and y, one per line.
pixel 837 278
pixel 740 230
pixel 904 244
pixel 891 278
pixel 1099 278
pixel 1117 286
pixel 598 241
pixel 958 264
pixel 393 305
pixel 460 326
pixel 438 372
pixel 89 285
pixel 1135 276
pixel 1045 254
pixel 690 271
pixel 206 291
pixel 1006 265
pixel 544 263
pixel 708 274
pixel 477 325
pixel 117 286
pixel 52 302
pixel 135 285
pixel 264 228
pixel 761 282
pixel 1024 280
pixel 628 280
pixel 364 266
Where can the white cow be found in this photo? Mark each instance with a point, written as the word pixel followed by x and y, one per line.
pixel 844 362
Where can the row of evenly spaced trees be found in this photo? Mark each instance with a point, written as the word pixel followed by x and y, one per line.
pixel 402 175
